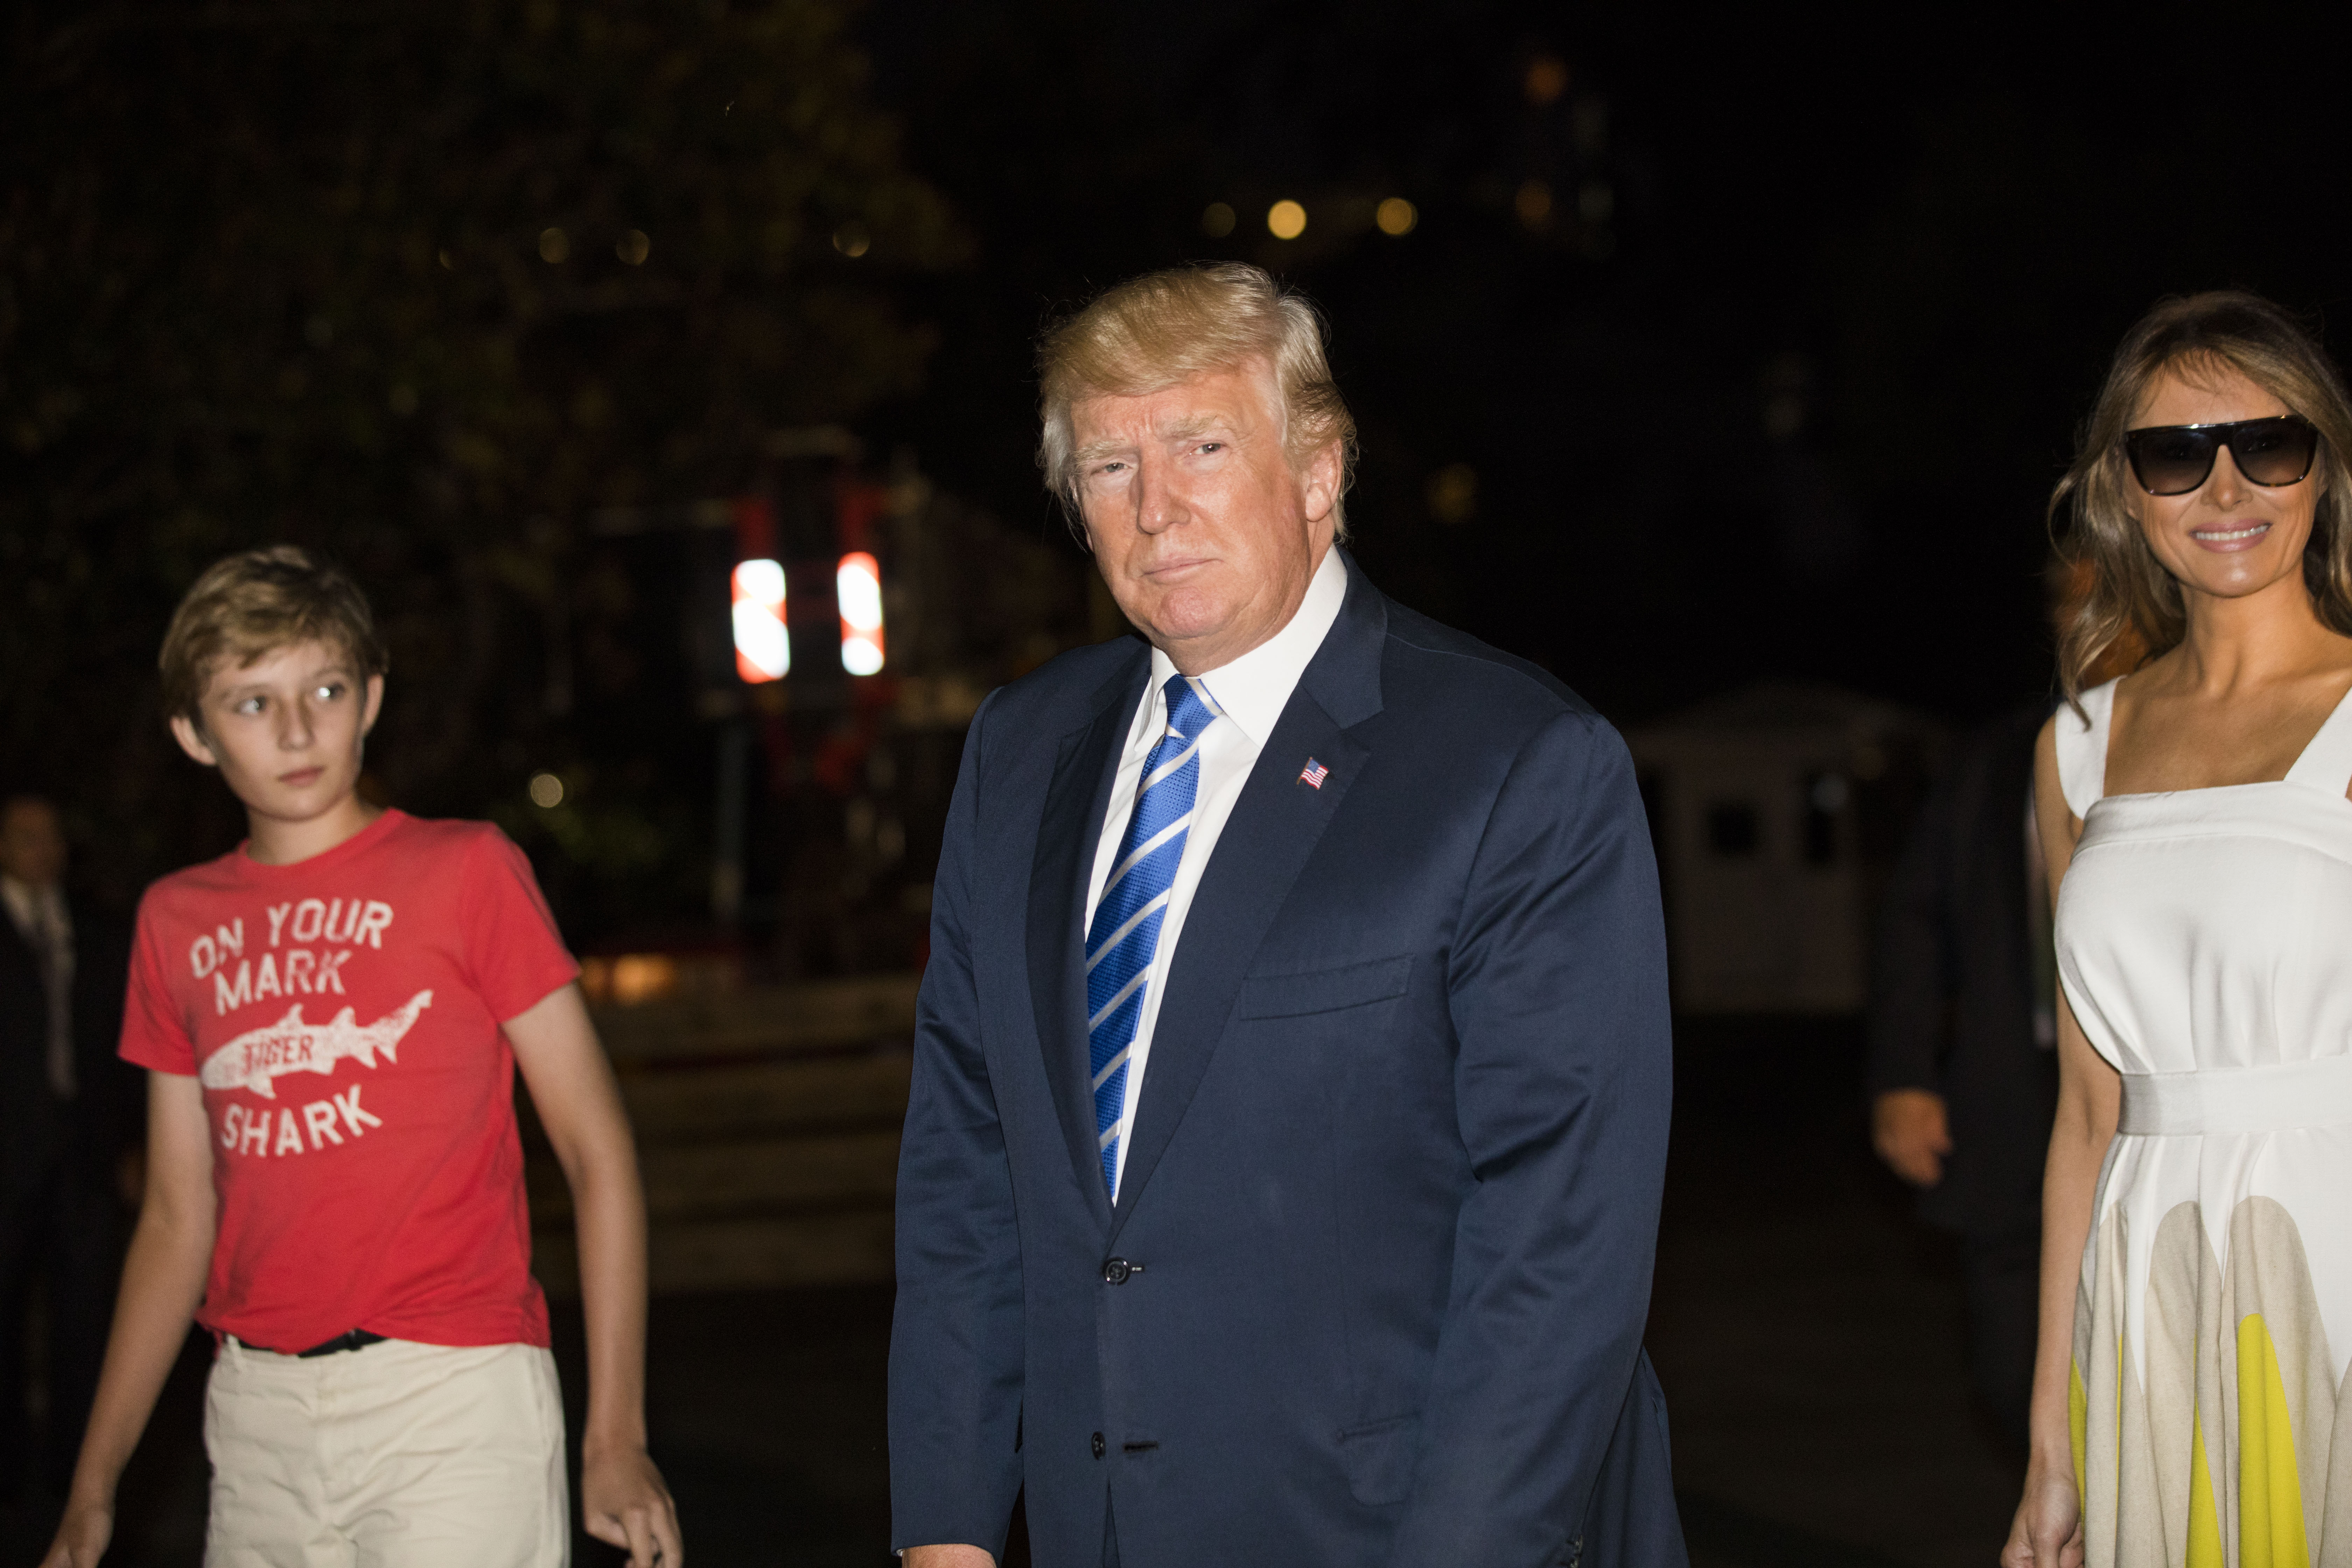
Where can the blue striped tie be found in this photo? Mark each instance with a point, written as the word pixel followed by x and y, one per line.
pixel 1126 929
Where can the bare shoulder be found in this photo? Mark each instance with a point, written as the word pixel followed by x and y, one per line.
pixel 2045 749
pixel 2053 817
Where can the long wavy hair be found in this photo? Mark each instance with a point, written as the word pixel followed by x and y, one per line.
pixel 2133 606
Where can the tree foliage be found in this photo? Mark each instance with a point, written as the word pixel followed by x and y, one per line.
pixel 427 284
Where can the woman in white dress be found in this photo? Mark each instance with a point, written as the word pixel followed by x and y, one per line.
pixel 2197 1261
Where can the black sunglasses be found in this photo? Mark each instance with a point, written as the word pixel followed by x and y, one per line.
pixel 2173 459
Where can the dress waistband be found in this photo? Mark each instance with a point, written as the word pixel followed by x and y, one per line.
pixel 2316 1093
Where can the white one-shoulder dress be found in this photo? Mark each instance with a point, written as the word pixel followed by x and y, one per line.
pixel 2205 945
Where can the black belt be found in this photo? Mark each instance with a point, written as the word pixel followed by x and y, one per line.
pixel 358 1339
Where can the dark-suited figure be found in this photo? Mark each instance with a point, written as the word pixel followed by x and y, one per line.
pixel 1281 1177
pixel 1963 1075
pixel 67 1105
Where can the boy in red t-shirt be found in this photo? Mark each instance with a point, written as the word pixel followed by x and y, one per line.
pixel 330 1017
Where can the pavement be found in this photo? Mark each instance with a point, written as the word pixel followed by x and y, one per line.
pixel 1807 1331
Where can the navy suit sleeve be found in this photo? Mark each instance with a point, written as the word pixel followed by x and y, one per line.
pixel 1563 1084
pixel 956 1337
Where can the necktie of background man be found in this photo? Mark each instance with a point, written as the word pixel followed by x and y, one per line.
pixel 1126 931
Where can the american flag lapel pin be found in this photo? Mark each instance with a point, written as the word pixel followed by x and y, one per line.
pixel 1313 774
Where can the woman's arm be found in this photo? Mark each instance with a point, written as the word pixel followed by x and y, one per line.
pixel 162 1280
pixel 2048 1532
pixel 621 1493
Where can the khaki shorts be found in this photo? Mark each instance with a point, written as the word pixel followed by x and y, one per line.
pixel 394 1456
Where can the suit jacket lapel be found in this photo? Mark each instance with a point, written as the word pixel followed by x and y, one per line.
pixel 1265 844
pixel 1076 803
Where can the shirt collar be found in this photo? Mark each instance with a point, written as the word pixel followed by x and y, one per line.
pixel 1253 690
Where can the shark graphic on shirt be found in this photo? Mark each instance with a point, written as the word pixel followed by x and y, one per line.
pixel 258 1056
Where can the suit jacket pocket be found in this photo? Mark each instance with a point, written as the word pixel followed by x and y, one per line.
pixel 1380 1458
pixel 1324 990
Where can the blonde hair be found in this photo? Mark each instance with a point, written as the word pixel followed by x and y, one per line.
pixel 2131 605
pixel 1152 332
pixel 253 603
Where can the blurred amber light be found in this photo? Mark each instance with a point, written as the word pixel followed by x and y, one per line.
pixel 1533 204
pixel 1217 220
pixel 1396 216
pixel 852 240
pixel 1453 494
pixel 1547 80
pixel 546 790
pixel 634 248
pixel 631 978
pixel 1286 220
pixel 554 245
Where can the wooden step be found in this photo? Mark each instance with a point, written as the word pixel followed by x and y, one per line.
pixel 762 1021
pixel 741 1254
pixel 767 1125
pixel 677 1106
pixel 738 1176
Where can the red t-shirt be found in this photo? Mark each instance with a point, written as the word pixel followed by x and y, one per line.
pixel 342 1013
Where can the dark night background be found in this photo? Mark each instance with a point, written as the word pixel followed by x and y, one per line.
pixel 1730 341
pixel 1778 383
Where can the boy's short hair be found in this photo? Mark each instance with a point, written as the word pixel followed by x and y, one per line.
pixel 255 602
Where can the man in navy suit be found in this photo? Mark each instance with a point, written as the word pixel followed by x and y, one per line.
pixel 1281 1174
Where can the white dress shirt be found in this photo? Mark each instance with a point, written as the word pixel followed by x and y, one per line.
pixel 40 917
pixel 1249 695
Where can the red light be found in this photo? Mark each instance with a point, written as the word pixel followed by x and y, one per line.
pixel 764 648
pixel 857 588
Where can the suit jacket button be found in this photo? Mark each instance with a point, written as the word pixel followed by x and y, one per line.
pixel 1097 1444
pixel 1116 1270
